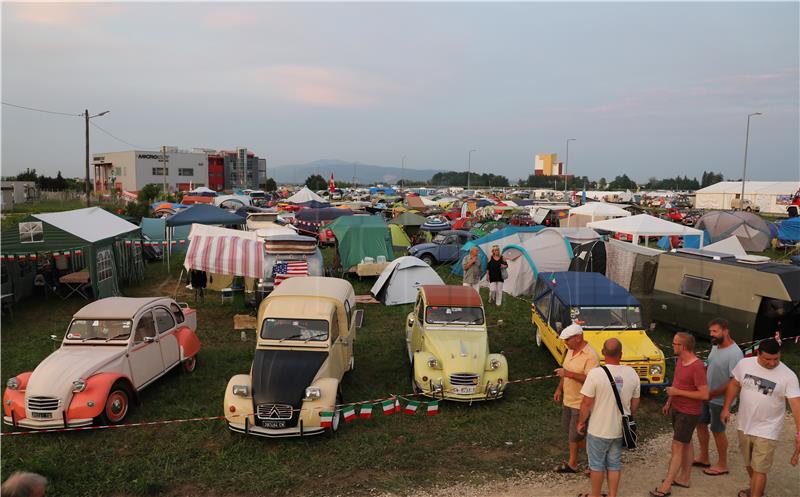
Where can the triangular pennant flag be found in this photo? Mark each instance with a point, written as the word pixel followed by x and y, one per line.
pixel 127 243
pixel 78 252
pixel 138 244
pixel 325 419
pixel 433 408
pixel 182 242
pixel 34 257
pixel 397 407
pixel 67 253
pixel 56 255
pixel 411 407
pixel 349 413
pixel 388 406
pixel 22 257
pixel 365 412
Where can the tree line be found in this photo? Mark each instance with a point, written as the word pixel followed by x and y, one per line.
pixel 58 184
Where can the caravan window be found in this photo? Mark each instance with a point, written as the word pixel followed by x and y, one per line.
pixel 696 287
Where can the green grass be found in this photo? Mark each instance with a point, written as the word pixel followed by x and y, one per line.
pixel 22 210
pixel 484 441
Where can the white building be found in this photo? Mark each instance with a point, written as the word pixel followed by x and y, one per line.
pixel 133 169
pixel 770 197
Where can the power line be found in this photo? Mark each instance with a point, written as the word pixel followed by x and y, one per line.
pixel 117 138
pixel 42 110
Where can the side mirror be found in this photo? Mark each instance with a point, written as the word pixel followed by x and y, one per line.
pixel 559 326
pixel 149 339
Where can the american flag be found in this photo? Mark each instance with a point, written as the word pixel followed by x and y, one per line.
pixel 283 270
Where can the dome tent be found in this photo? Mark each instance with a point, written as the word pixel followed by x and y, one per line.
pixel 398 283
pixel 752 231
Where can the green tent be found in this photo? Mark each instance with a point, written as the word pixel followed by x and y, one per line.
pixel 408 219
pixel 94 239
pixel 361 236
pixel 399 237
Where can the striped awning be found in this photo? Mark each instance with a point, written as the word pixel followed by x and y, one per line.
pixel 226 255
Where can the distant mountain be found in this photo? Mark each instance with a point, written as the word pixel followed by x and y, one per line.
pixel 345 171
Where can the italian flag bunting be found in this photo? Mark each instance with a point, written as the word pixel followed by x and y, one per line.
pixel 433 408
pixel 349 413
pixel 388 406
pixel 411 407
pixel 751 350
pixel 365 412
pixel 397 407
pixel 325 419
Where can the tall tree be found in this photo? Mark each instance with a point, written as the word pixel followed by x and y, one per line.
pixel 316 182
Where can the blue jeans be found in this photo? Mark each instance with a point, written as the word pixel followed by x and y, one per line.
pixel 604 453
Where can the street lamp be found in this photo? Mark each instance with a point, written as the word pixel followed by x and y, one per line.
pixel 744 170
pixel 566 162
pixel 469 165
pixel 87 117
pixel 402 176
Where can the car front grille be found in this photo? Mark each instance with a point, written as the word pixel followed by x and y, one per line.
pixel 274 411
pixel 463 379
pixel 43 403
pixel 642 371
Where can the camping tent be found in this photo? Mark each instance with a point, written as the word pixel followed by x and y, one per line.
pixel 730 245
pixel 589 212
pixel 108 246
pixel 789 230
pixel 232 201
pixel 506 236
pixel 408 219
pixel 545 251
pixel 399 237
pixel 644 225
pixel 202 190
pixel 309 220
pixel 751 230
pixel 589 257
pixel 204 214
pixel 361 236
pixel 398 283
pixel 435 224
pixel 303 196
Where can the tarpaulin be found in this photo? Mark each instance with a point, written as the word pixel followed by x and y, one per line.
pixel 231 255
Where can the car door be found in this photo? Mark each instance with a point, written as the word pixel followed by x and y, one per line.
pixel 145 356
pixel 339 360
pixel 449 249
pixel 165 326
pixel 418 329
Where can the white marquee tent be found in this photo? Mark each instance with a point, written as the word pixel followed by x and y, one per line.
pixel 645 225
pixel 305 195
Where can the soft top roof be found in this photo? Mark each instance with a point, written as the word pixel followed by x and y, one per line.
pixel 314 286
pixel 451 295
pixel 114 308
pixel 587 289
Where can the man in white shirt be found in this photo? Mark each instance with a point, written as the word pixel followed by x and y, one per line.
pixel 604 434
pixel 763 385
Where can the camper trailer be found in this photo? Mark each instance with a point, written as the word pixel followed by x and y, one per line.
pixel 757 298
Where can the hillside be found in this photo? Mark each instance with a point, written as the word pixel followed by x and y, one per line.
pixel 345 171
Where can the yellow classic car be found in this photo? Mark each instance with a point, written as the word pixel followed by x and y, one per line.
pixel 304 346
pixel 604 310
pixel 448 346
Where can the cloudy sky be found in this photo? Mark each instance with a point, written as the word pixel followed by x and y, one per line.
pixel 646 89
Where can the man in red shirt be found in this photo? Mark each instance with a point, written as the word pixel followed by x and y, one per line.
pixel 685 405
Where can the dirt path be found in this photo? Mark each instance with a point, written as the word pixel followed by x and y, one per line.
pixel 643 471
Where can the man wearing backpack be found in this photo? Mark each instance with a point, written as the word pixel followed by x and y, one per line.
pixel 604 433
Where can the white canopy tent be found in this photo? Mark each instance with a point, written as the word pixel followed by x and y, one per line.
pixel 599 209
pixel 305 195
pixel 730 245
pixel 202 189
pixel 645 225
pixel 399 281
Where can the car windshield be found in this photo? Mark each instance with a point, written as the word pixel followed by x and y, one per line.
pixel 99 329
pixel 440 239
pixel 593 318
pixel 453 315
pixel 304 330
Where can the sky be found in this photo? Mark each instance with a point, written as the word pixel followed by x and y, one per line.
pixel 646 89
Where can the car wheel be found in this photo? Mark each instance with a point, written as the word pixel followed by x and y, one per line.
pixel 337 415
pixel 428 259
pixel 190 364
pixel 116 406
pixel 538 337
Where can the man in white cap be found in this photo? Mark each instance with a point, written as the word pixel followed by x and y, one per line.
pixel 580 359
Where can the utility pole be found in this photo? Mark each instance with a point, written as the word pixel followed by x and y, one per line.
pixel 403 176
pixel 163 162
pixel 744 170
pixel 469 166
pixel 86 187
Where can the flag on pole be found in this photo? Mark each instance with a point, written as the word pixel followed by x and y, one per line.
pixel 349 413
pixel 331 186
pixel 433 408
pixel 411 407
pixel 388 406
pixel 325 419
pixel 365 412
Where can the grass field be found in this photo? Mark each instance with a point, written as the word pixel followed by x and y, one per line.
pixel 484 441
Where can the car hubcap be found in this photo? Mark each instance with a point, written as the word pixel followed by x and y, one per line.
pixel 117 406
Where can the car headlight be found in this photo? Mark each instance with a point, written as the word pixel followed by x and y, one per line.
pixel 313 393
pixel 433 363
pixel 13 383
pixel 241 390
pixel 494 364
pixel 655 370
pixel 78 385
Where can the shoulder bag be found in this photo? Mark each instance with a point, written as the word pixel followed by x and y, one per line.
pixel 629 436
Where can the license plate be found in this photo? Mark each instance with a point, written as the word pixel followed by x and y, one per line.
pixel 273 424
pixel 42 415
pixel 465 390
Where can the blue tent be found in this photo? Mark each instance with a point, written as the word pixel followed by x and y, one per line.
pixel 497 235
pixel 386 190
pixel 789 230
pixel 204 214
